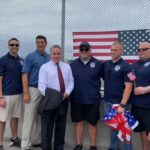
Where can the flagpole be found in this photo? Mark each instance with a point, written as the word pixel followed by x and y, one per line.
pixel 63 27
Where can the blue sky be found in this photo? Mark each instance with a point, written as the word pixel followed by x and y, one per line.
pixel 25 19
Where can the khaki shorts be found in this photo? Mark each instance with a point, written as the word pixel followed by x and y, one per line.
pixel 13 109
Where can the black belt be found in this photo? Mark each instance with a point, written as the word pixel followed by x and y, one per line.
pixel 35 86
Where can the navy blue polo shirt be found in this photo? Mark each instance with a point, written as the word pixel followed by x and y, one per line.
pixel 10 69
pixel 142 73
pixel 115 76
pixel 32 65
pixel 86 81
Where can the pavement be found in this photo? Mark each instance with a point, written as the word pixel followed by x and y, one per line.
pixel 67 147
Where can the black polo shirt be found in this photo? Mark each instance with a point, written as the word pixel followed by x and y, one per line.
pixel 10 69
pixel 142 73
pixel 115 76
pixel 86 81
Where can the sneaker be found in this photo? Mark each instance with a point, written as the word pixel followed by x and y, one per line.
pixel 78 147
pixel 93 148
pixel 15 142
pixel 113 149
pixel 1 147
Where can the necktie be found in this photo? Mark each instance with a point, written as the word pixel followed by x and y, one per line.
pixel 61 79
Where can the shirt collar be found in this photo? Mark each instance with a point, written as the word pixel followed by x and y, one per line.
pixel 11 56
pixel 89 60
pixel 52 62
pixel 144 61
pixel 41 54
pixel 117 62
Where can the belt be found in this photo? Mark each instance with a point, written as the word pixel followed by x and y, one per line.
pixel 35 86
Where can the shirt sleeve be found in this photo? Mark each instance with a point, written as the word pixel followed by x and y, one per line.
pixel 127 70
pixel 2 68
pixel 27 65
pixel 70 82
pixel 42 82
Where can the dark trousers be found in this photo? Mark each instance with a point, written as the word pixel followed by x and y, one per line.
pixel 50 119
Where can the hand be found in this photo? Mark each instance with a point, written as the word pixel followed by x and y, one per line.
pixel 3 103
pixel 26 98
pixel 120 110
pixel 65 96
pixel 149 136
pixel 139 90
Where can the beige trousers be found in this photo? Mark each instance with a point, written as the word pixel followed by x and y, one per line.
pixel 31 129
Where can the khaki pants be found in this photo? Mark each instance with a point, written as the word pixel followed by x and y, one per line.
pixel 31 130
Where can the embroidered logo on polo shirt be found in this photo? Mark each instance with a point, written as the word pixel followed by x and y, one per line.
pixel 21 62
pixel 147 64
pixel 117 68
pixel 92 64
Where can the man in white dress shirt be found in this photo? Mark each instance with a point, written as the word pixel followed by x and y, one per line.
pixel 56 75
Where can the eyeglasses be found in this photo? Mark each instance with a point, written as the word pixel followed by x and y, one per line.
pixel 86 49
pixel 143 49
pixel 12 45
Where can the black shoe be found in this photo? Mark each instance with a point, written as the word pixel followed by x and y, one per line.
pixel 93 148
pixel 1 147
pixel 37 145
pixel 78 147
pixel 15 142
pixel 113 149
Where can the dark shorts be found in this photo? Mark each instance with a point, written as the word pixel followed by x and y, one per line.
pixel 88 112
pixel 143 116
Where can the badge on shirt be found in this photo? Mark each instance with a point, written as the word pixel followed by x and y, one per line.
pixel 92 65
pixel 117 68
pixel 147 64
pixel 21 62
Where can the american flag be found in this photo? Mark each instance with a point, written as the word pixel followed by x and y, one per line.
pixel 101 42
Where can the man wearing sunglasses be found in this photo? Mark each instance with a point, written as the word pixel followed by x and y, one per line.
pixel 141 95
pixel 117 88
pixel 10 91
pixel 85 98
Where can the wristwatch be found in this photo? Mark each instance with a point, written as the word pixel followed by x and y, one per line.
pixel 122 105
pixel 145 90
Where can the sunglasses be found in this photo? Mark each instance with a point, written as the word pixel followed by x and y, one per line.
pixel 12 45
pixel 86 49
pixel 114 50
pixel 143 49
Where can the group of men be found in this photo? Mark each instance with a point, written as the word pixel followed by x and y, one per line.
pixel 25 83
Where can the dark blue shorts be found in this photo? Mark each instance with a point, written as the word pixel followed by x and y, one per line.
pixel 143 116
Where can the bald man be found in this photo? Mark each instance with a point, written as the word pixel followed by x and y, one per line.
pixel 117 88
pixel 141 95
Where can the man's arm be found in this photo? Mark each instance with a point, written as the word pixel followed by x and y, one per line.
pixel 42 82
pixel 3 104
pixel 71 84
pixel 26 94
pixel 1 92
pixel 125 97
pixel 141 90
pixel 25 81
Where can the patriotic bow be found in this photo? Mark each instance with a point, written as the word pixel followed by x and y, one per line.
pixel 124 123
